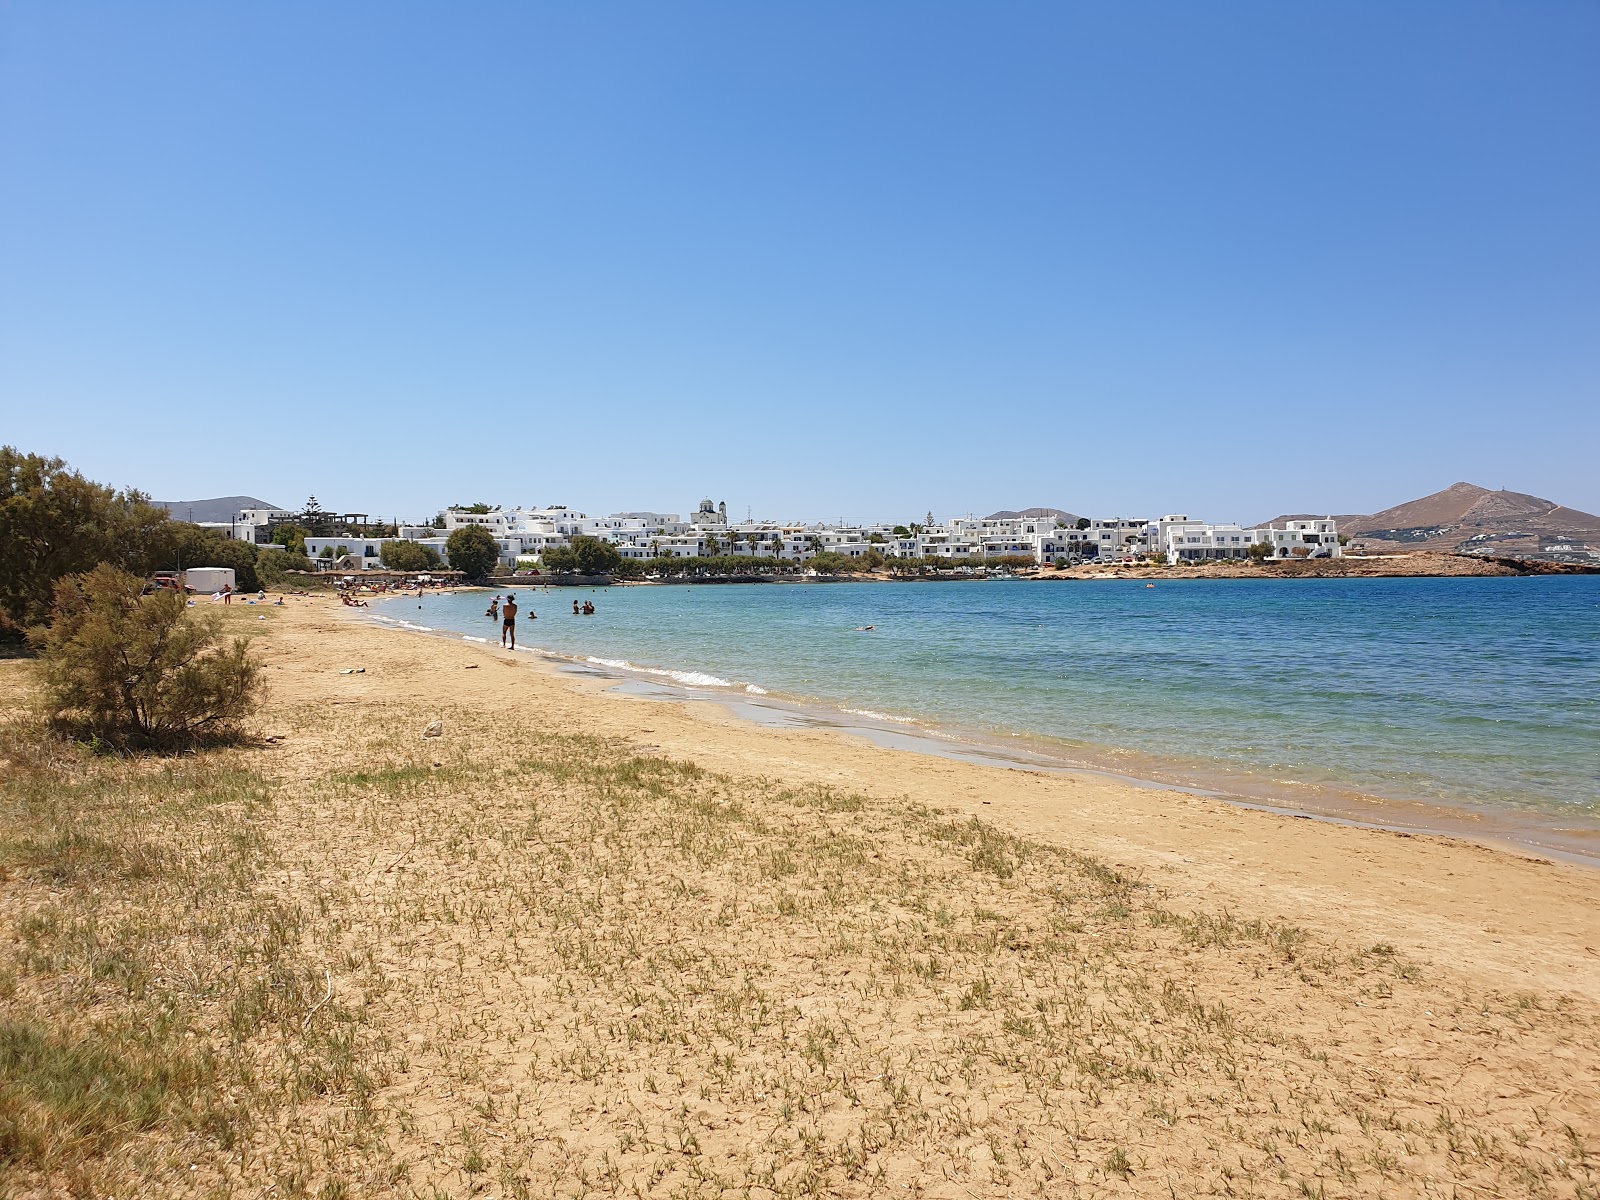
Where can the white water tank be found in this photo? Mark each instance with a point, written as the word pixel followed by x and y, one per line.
pixel 209 579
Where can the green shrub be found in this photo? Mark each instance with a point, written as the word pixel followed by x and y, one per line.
pixel 141 672
pixel 272 567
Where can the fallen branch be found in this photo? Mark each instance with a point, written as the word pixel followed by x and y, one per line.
pixel 306 1024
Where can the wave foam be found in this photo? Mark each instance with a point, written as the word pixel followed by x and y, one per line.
pixel 689 678
pixel 754 690
pixel 878 716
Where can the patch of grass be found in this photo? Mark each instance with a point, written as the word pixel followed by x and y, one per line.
pixel 155 988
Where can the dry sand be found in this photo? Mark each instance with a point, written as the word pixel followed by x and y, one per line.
pixel 580 965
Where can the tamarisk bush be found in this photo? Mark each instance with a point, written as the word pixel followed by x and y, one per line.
pixel 141 671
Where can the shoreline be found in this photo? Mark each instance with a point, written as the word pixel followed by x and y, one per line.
pixel 1517 916
pixel 1505 828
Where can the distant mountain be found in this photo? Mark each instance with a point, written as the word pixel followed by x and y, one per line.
pixel 1465 516
pixel 1006 514
pixel 218 508
pixel 1344 520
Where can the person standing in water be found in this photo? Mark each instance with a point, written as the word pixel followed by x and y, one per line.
pixel 508 620
pixel 575 611
pixel 494 608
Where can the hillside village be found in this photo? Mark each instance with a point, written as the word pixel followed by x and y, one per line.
pixel 1041 536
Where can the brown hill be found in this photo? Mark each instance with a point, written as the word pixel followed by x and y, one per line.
pixel 1008 514
pixel 1468 517
pixel 1344 519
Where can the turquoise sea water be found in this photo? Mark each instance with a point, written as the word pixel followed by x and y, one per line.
pixel 1467 691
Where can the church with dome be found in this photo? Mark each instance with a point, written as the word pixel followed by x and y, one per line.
pixel 707 515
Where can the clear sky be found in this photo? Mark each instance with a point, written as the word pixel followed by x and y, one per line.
pixel 818 259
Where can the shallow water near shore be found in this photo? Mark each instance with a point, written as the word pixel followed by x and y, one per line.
pixel 1479 695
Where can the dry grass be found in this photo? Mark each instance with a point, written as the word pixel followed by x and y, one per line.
pixel 560 966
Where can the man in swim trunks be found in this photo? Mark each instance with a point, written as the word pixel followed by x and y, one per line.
pixel 508 620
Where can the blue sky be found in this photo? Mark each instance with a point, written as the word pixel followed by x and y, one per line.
pixel 821 259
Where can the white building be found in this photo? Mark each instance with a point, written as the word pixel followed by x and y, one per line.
pixel 366 550
pixel 1305 539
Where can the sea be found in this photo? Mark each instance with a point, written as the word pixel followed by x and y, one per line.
pixel 1413 703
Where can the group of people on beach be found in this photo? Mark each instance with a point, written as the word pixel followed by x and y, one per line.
pixel 505 611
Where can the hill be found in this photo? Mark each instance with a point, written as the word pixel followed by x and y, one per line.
pixel 1006 514
pixel 1465 516
pixel 218 508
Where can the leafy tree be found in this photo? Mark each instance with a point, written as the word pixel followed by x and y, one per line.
pixel 1260 551
pixel 877 539
pixel 559 559
pixel 291 537
pixel 831 563
pixel 901 531
pixel 480 508
pixel 54 522
pixel 141 671
pixel 408 556
pixel 585 556
pixel 473 551
pixel 595 556
pixel 327 554
pixel 1083 523
pixel 272 566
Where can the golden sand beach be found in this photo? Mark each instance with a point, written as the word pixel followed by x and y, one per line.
pixel 586 944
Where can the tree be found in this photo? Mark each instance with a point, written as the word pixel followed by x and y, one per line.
pixel 901 531
pixel 830 562
pixel 272 565
pixel 1260 551
pixel 1083 523
pixel 595 556
pixel 585 556
pixel 473 551
pixel 141 671
pixel 317 520
pixel 408 556
pixel 479 508
pixel 54 522
pixel 291 537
